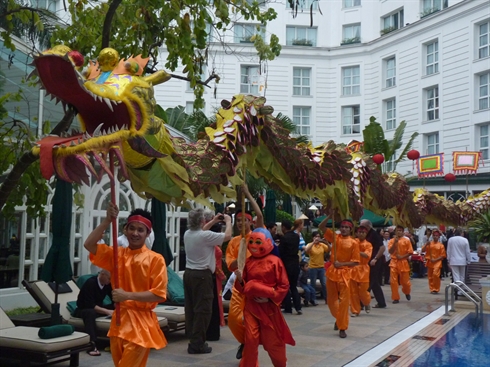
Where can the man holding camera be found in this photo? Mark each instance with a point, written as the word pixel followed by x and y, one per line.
pixel 199 243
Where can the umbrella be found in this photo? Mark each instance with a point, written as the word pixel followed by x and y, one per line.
pixel 159 216
pixel 376 220
pixel 270 207
pixel 57 266
pixel 287 205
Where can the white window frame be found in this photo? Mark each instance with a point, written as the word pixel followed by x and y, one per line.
pixel 304 5
pixel 351 80
pixel 432 57
pixel 484 140
pixel 432 103
pixel 252 75
pixel 433 5
pixel 351 32
pixel 432 143
pixel 351 120
pixel 390 72
pixel 351 3
pixel 484 91
pixel 301 81
pixel 302 118
pixel 390 114
pixel 394 20
pixel 484 39
pixel 49 5
pixel 301 36
pixel 242 32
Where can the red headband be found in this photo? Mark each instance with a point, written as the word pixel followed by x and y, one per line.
pixel 248 216
pixel 346 223
pixel 436 231
pixel 140 219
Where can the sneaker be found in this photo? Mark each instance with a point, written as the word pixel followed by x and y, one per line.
pixel 395 301
pixel 409 297
pixel 313 303
pixel 299 312
pixel 342 334
pixel 354 314
pixel 367 308
pixel 240 351
pixel 203 350
pixel 306 304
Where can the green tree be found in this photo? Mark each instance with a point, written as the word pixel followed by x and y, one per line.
pixel 481 225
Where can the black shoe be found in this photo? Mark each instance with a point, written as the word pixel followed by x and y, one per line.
pixel 284 311
pixel 378 306
pixel 395 301
pixel 203 350
pixel 306 304
pixel 409 297
pixel 342 334
pixel 313 303
pixel 240 351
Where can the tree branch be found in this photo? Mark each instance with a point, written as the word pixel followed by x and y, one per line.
pixel 205 83
pixel 106 30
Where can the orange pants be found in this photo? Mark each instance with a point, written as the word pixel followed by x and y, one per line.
pixel 404 281
pixel 127 354
pixel 434 276
pixel 257 333
pixel 235 316
pixel 359 293
pixel 338 300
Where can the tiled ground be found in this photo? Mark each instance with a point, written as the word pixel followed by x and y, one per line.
pixel 317 344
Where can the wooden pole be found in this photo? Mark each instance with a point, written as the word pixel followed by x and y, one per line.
pixel 242 251
pixel 115 271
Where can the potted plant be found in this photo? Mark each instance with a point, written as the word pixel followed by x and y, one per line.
pixel 302 42
pixel 249 39
pixel 387 30
pixel 348 41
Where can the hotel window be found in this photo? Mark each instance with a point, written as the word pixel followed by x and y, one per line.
pixel 351 3
pixel 432 143
pixel 484 40
pixel 301 81
pixel 49 5
pixel 432 99
pixel 484 137
pixel 390 166
pixel 244 32
pixel 390 106
pixel 304 5
pixel 484 91
pixel 351 33
pixel 390 68
pixel 301 118
pixel 300 36
pixel 393 21
pixel 351 81
pixel 432 58
pixel 431 6
pixel 249 79
pixel 351 120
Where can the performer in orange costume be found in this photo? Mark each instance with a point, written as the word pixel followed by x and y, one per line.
pixel 143 284
pixel 235 313
pixel 400 248
pixel 434 254
pixel 264 283
pixel 345 255
pixel 359 283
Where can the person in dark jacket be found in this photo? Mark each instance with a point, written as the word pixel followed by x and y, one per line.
pixel 288 251
pixel 90 304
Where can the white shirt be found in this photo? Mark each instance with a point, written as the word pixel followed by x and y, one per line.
pixel 458 251
pixel 199 249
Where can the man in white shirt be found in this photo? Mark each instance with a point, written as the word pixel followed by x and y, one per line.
pixel 458 255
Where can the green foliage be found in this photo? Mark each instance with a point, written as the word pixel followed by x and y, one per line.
pixel 481 226
pixel 282 215
pixel 23 310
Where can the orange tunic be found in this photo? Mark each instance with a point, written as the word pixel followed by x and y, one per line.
pixel 404 248
pixel 360 273
pixel 346 249
pixel 232 251
pixel 433 251
pixel 139 270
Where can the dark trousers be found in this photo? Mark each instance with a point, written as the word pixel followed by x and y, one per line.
pixel 375 285
pixel 213 332
pixel 88 315
pixel 198 292
pixel 292 271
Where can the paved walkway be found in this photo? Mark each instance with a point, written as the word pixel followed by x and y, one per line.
pixel 317 344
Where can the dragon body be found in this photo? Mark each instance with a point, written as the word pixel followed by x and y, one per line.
pixel 116 105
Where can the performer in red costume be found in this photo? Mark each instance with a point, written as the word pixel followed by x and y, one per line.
pixel 264 283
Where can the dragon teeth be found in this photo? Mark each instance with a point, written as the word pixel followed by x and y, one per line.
pixel 108 103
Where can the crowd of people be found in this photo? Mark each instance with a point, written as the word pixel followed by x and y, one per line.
pixel 269 267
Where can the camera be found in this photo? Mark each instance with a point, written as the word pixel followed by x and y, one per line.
pixel 221 217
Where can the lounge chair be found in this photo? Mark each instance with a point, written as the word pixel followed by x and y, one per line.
pixel 23 343
pixel 45 296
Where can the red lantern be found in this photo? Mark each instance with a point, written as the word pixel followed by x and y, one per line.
pixel 450 177
pixel 413 154
pixel 378 158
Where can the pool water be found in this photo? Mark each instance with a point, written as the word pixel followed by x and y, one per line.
pixel 467 344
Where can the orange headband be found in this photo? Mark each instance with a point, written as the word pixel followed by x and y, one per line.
pixel 140 219
pixel 248 216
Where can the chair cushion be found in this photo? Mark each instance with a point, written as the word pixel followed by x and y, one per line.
pixel 25 337
pixel 172 313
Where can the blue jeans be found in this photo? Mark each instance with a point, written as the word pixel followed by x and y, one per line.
pixel 318 273
pixel 310 293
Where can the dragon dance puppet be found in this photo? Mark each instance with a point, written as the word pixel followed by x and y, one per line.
pixel 115 104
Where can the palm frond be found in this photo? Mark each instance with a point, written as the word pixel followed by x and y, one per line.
pixel 374 139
